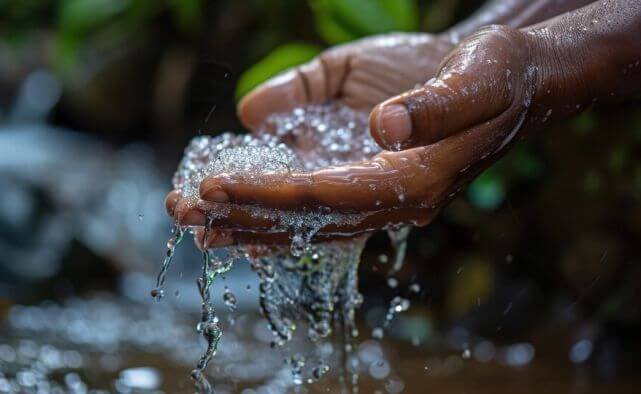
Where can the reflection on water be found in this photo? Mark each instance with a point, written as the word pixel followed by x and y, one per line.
pixel 115 344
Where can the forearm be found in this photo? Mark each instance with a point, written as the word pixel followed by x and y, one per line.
pixel 514 13
pixel 591 55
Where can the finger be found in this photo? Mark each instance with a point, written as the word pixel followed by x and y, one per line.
pixel 171 201
pixel 316 81
pixel 473 86
pixel 390 179
pixel 213 238
pixel 226 217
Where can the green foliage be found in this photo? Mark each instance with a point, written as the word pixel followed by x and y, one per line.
pixel 99 24
pixel 339 21
pixel 79 16
pixel 487 191
pixel 281 58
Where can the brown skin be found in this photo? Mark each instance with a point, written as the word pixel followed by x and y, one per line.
pixel 494 87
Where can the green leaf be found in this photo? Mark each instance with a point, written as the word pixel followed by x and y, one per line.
pixel 343 20
pixel 81 15
pixel 280 59
pixel 332 32
pixel 487 191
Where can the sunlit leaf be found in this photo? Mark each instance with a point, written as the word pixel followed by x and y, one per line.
pixel 343 20
pixel 280 59
pixel 332 32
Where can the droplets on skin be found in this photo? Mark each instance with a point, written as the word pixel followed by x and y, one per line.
pixel 312 285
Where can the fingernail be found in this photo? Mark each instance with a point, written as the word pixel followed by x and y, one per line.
pixel 211 191
pixel 394 125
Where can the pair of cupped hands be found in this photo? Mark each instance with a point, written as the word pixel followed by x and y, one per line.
pixel 481 95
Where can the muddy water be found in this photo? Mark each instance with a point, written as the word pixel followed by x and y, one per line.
pixel 115 344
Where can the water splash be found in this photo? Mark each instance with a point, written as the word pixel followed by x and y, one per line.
pixel 398 237
pixel 312 285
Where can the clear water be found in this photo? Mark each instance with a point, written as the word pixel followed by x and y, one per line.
pixel 310 287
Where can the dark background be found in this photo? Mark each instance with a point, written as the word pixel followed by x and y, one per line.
pixel 98 99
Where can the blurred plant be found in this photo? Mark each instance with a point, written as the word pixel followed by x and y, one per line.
pixel 336 21
pixel 91 25
pixel 82 24
pixel 488 190
pixel 281 58
pixel 339 21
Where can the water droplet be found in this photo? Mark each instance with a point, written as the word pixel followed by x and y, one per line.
pixel 230 299
pixel 392 283
pixel 400 304
pixel 157 294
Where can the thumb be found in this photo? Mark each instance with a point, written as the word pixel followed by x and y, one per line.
pixel 473 86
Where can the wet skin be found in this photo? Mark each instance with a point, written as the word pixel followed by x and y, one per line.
pixel 496 86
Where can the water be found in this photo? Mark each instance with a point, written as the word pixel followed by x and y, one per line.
pixel 399 243
pixel 158 292
pixel 309 288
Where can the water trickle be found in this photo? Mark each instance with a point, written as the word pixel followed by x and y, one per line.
pixel 178 233
pixel 399 243
pixel 397 305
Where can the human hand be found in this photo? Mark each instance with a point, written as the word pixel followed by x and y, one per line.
pixel 498 84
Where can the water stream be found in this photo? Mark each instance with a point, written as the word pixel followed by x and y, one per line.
pixel 308 285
